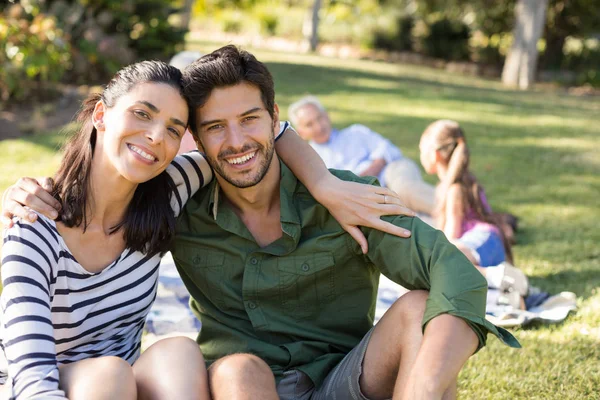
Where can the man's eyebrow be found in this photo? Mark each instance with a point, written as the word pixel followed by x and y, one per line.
pixel 214 121
pixel 149 105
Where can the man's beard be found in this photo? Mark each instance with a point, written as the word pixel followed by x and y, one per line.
pixel 251 178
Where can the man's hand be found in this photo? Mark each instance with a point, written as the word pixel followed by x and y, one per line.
pixel 375 168
pixel 26 195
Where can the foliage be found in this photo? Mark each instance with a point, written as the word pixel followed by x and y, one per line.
pixel 32 51
pixel 81 40
pixel 447 39
pixel 398 39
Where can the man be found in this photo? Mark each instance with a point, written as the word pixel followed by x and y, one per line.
pixel 281 289
pixel 362 151
pixel 286 297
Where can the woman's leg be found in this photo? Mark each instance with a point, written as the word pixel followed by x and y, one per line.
pixel 172 369
pixel 104 378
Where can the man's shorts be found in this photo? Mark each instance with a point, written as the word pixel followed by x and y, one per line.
pixel 342 382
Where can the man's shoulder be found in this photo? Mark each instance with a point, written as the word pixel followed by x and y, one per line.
pixel 352 177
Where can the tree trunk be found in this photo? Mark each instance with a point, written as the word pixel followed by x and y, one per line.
pixel 186 14
pixel 311 26
pixel 521 62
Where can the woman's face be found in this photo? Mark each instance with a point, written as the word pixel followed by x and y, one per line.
pixel 427 155
pixel 140 135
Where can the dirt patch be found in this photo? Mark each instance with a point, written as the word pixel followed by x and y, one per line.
pixel 26 119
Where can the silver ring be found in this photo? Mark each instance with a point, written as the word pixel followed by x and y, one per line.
pixel 384 199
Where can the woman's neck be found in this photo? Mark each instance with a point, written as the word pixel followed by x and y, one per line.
pixel 109 196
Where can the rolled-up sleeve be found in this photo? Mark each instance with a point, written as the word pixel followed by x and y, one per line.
pixel 428 261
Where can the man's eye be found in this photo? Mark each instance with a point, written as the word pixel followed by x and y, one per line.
pixel 175 132
pixel 141 114
pixel 250 118
pixel 213 127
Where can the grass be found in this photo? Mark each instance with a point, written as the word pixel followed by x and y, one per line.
pixel 538 156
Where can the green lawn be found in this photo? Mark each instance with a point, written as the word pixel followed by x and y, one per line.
pixel 538 155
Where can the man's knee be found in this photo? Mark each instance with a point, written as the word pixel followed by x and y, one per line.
pixel 410 308
pixel 240 367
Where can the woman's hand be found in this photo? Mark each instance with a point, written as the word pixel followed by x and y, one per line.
pixel 355 204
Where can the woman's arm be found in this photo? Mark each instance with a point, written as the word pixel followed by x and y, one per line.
pixel 454 212
pixel 352 204
pixel 28 335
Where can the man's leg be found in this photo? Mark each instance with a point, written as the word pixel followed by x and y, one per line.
pixel 393 347
pixel 241 377
pixel 380 366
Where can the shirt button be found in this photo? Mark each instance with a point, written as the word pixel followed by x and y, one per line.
pixel 254 261
pixel 305 267
pixel 251 305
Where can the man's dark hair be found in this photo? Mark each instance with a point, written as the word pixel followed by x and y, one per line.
pixel 149 223
pixel 227 66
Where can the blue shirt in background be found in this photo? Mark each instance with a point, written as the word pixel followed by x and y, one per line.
pixel 355 148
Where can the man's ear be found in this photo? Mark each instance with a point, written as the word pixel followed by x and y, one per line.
pixel 98 116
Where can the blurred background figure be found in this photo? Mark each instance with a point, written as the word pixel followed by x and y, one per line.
pixel 364 152
pixel 182 60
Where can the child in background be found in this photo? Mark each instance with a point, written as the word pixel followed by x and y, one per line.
pixel 461 209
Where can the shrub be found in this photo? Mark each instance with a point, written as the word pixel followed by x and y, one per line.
pixel 399 39
pixel 448 40
pixel 33 52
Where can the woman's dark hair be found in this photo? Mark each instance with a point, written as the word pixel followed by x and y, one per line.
pixel 448 138
pixel 149 221
pixel 224 67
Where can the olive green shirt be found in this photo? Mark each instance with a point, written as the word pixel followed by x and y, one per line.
pixel 304 301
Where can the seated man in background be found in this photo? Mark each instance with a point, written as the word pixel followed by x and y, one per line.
pixel 362 151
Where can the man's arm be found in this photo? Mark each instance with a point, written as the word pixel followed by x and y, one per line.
pixel 427 260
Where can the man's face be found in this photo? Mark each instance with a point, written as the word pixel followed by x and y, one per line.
pixel 236 133
pixel 313 124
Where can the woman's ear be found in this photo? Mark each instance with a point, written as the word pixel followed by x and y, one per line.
pixel 98 116
pixel 276 117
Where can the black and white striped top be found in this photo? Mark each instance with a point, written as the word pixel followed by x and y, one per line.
pixel 54 312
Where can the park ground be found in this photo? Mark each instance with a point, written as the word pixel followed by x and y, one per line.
pixel 537 154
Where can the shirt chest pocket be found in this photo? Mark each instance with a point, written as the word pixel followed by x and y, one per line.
pixel 207 271
pixel 306 283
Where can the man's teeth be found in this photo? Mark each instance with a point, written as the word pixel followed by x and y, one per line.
pixel 242 159
pixel 142 153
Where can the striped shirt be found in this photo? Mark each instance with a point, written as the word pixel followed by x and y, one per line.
pixel 54 312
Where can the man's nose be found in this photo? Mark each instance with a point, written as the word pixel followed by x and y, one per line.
pixel 235 136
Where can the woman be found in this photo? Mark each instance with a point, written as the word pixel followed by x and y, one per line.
pixel 462 211
pixel 77 291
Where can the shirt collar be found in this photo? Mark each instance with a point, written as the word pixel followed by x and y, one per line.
pixel 287 187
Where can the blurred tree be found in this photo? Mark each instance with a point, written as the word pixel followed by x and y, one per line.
pixel 521 62
pixel 575 18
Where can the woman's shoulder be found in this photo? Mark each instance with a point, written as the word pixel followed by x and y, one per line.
pixel 42 227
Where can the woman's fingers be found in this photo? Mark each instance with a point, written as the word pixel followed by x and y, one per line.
pixel 357 235
pixel 28 193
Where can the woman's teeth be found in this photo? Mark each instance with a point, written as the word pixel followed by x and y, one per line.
pixel 242 159
pixel 142 153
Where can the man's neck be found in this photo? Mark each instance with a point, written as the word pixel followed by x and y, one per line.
pixel 259 198
pixel 259 206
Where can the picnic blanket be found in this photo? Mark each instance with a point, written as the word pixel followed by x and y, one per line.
pixel 171 316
